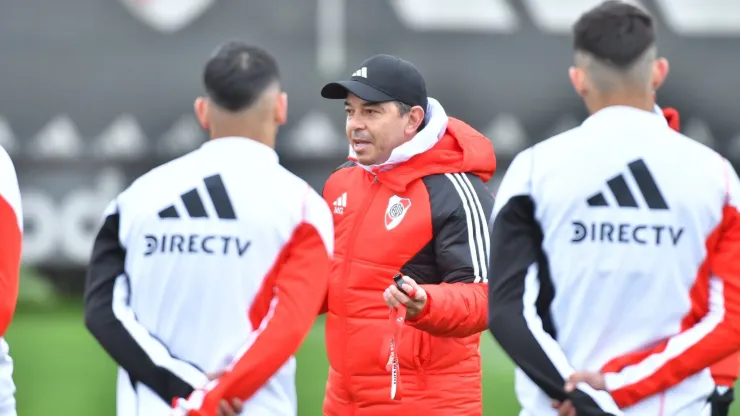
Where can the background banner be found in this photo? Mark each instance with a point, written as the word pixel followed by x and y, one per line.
pixel 96 93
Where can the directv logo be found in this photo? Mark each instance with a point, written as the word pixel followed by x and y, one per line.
pixel 642 234
pixel 196 244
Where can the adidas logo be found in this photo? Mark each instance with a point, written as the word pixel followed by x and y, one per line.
pixel 194 203
pixel 626 231
pixel 624 196
pixel 362 72
pixel 340 204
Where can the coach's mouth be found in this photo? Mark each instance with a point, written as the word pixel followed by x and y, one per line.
pixel 360 145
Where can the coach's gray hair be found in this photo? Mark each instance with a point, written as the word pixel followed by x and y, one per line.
pixel 609 78
pixel 403 109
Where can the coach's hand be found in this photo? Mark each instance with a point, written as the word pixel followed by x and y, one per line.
pixel 414 305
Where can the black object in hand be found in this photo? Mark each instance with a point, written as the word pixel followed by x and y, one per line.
pixel 398 279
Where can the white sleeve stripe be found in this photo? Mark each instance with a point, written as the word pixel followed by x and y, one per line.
pixel 156 351
pixel 245 348
pixel 480 225
pixel 483 224
pixel 549 346
pixel 677 345
pixel 471 233
pixel 472 221
pixel 257 332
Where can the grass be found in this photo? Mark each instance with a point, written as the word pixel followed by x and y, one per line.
pixel 61 370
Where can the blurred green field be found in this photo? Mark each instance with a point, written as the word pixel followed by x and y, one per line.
pixel 60 369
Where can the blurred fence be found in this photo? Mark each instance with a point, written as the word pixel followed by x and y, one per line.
pixel 95 93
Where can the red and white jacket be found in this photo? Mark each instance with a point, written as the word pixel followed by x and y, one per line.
pixel 11 235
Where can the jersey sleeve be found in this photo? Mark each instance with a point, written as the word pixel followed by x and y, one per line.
pixel 518 272
pixel 284 313
pixel 112 322
pixel 711 338
pixel 11 235
pixel 725 371
pixel 461 205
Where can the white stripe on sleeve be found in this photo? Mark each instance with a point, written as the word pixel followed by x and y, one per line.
pixel 156 351
pixel 474 222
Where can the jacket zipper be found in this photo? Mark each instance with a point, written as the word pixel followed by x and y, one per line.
pixel 366 203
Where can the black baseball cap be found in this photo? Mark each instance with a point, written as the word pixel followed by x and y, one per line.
pixel 382 78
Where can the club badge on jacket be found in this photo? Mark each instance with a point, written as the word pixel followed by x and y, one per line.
pixel 397 208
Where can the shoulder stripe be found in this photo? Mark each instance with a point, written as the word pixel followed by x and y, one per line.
pixel 483 225
pixel 477 225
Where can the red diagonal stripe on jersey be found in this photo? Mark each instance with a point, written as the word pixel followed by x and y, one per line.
pixel 723 252
pixel 281 315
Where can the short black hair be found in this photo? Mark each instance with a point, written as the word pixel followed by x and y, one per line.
pixel 238 73
pixel 614 32
pixel 404 109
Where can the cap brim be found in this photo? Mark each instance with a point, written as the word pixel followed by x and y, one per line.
pixel 339 90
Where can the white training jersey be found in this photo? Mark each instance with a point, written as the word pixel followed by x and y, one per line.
pixel 616 248
pixel 216 261
pixel 11 235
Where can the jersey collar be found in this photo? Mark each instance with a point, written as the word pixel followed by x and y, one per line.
pixel 236 145
pixel 617 114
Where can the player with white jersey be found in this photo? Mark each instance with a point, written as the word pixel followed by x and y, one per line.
pixel 615 251
pixel 208 271
pixel 11 235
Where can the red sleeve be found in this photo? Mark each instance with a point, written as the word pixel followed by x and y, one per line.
pixel 325 305
pixel 288 305
pixel 725 372
pixel 454 310
pixel 711 339
pixel 10 262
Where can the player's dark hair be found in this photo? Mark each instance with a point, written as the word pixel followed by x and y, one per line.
pixel 237 74
pixel 614 32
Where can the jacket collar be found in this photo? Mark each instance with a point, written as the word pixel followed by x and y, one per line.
pixel 424 140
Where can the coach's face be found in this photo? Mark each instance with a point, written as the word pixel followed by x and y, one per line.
pixel 375 129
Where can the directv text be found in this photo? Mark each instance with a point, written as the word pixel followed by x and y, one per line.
pixel 196 244
pixel 625 233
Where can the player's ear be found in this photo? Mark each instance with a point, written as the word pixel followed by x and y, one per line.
pixel 578 79
pixel 660 72
pixel 200 107
pixel 281 108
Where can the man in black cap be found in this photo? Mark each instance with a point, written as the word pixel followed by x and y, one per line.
pixel 411 203
pixel 383 82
